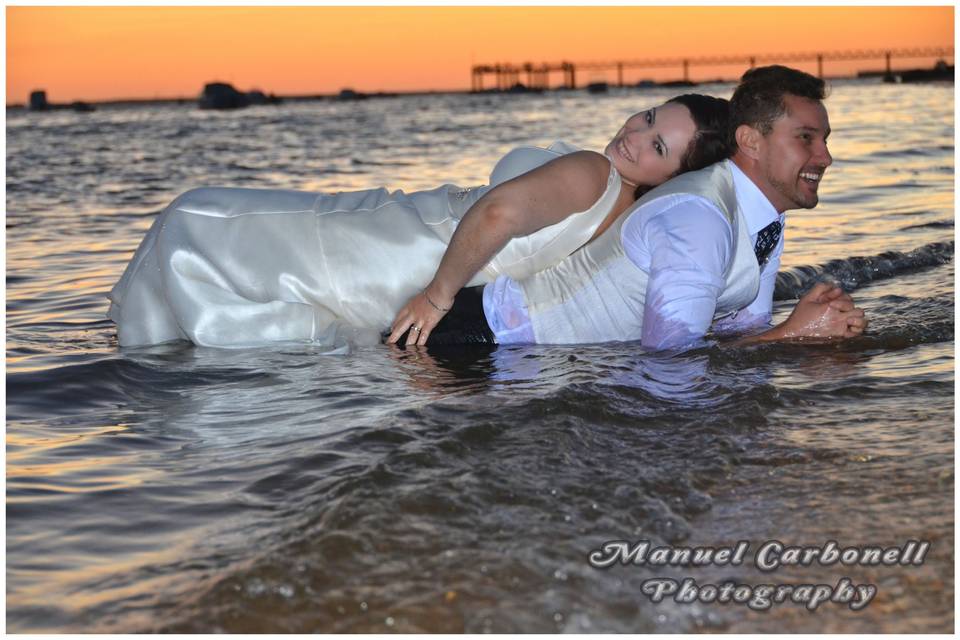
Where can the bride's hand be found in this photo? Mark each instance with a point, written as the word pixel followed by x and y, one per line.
pixel 420 315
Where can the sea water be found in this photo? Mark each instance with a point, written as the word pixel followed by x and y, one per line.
pixel 176 488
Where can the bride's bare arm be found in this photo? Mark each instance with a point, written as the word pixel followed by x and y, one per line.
pixel 516 208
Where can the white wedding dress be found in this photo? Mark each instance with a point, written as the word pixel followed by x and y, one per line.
pixel 245 267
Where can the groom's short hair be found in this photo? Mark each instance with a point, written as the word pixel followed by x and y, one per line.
pixel 758 99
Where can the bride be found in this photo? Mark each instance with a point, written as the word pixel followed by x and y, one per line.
pixel 244 267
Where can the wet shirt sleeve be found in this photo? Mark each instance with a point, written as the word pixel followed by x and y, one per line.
pixel 686 247
pixel 759 313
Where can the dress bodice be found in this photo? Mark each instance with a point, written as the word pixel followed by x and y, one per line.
pixel 530 254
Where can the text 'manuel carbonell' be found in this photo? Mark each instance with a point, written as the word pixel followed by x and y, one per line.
pixel 770 556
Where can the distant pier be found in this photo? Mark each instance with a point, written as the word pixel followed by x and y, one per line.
pixel 537 75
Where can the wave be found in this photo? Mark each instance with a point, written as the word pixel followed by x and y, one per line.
pixel 108 382
pixel 374 163
pixel 939 224
pixel 852 273
pixel 930 151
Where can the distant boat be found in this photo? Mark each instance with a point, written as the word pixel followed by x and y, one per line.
pixel 940 72
pixel 38 101
pixel 220 95
pixel 255 96
pixel 522 88
pixel 598 87
pixel 350 94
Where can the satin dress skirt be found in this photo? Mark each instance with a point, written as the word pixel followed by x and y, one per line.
pixel 243 267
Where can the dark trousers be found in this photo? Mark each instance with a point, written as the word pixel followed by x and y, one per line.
pixel 463 324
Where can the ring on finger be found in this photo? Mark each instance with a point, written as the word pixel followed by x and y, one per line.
pixel 415 328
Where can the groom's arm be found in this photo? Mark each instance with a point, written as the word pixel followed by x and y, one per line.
pixel 686 248
pixel 685 244
pixel 823 313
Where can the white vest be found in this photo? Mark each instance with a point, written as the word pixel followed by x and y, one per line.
pixel 597 294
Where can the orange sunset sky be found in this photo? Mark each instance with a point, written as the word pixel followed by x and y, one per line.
pixel 100 53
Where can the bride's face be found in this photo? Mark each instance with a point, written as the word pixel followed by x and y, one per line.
pixel 650 145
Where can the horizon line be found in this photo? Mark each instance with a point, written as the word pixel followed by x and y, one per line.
pixel 412 92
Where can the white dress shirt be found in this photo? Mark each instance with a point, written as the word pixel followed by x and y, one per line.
pixel 685 244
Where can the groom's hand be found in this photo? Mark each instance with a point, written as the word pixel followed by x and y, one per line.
pixel 825 312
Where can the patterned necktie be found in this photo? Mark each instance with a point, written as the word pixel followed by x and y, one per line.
pixel 766 240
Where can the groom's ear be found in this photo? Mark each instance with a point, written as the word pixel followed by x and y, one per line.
pixel 748 140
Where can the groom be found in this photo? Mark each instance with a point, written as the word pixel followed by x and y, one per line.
pixel 707 243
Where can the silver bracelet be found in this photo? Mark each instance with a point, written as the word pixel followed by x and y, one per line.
pixel 440 309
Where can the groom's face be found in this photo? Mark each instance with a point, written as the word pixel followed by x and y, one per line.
pixel 794 155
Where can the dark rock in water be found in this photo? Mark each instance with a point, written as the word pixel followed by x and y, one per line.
pixel 82 107
pixel 678 83
pixel 598 87
pixel 38 101
pixel 646 84
pixel 220 95
pixel 350 94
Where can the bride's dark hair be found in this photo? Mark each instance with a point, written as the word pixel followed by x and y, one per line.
pixel 709 144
